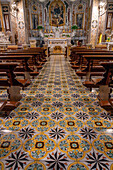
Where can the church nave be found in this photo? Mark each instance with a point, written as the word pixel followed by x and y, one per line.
pixel 58 125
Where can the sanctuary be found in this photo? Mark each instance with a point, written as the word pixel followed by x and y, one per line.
pixel 37 22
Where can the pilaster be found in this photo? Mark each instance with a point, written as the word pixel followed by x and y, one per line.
pixel 21 23
pixel 94 23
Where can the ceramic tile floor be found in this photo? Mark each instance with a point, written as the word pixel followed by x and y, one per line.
pixel 58 126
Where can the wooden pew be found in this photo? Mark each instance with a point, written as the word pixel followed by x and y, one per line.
pixel 14 89
pixel 106 85
pixel 73 52
pixel 35 66
pixel 24 58
pixel 103 83
pixel 76 57
pixel 35 53
pixel 91 83
pixel 80 62
pixel 18 56
pixel 96 68
pixel 91 58
pixel 35 57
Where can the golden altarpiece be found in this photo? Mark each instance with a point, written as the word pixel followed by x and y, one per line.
pixel 21 20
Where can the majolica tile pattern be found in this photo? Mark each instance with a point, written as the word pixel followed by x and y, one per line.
pixel 59 125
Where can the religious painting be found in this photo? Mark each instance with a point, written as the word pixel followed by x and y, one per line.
pixel 80 20
pixel 7 22
pixel 68 15
pixel 45 14
pixel 57 13
pixel 73 17
pixel 0 25
pixel 109 20
pixel 35 21
pixel 80 7
pixel 34 8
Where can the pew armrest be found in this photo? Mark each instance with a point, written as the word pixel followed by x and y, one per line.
pixel 2 104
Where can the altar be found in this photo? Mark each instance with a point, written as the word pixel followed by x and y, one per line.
pixel 57 45
pixel 109 45
pixel 57 41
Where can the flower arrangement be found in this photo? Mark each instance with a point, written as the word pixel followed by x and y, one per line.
pixel 40 27
pixel 74 27
pixel 108 39
pixel 68 35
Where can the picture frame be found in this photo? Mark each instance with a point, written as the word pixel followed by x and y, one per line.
pixel 57 13
pixel 109 21
pixel 80 7
pixel 34 8
pixel 80 20
pixel 7 22
pixel 34 21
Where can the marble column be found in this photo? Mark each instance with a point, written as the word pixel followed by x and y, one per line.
pixel 21 23
pixel 94 23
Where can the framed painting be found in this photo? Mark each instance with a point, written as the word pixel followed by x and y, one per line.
pixel 45 14
pixel 7 22
pixel 109 20
pixel 69 15
pixel 0 25
pixel 34 8
pixel 35 21
pixel 80 20
pixel 80 7
pixel 57 13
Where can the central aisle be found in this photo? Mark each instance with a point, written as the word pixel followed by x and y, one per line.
pixel 59 125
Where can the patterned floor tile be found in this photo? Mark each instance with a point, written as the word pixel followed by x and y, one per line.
pixel 58 125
